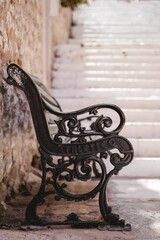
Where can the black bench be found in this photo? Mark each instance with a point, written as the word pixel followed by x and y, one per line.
pixel 74 146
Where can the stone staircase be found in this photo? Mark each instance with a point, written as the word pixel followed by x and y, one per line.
pixel 113 56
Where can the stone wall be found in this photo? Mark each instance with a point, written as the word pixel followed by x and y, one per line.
pixel 60 26
pixel 21 43
pixel 22 27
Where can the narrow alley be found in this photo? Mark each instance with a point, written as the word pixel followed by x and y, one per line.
pixel 112 56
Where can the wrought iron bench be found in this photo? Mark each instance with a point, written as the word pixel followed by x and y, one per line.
pixel 74 147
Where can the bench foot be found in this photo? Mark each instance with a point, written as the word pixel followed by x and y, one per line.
pixel 104 227
pixel 69 171
pixel 74 221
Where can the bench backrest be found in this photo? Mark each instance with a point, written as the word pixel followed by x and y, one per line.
pixel 38 98
pixel 45 95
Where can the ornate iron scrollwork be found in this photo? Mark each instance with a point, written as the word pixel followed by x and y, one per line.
pixel 69 169
pixel 73 126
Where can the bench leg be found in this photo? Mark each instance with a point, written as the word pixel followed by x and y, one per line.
pixel 31 217
pixel 109 221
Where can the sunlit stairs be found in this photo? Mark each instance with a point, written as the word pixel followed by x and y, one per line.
pixel 113 56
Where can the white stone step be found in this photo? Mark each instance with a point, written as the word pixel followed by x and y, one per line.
pixel 110 50
pixel 104 59
pixel 121 52
pixel 114 29
pixel 140 130
pixel 142 167
pixel 107 66
pixel 117 22
pixel 107 74
pixel 136 115
pixel 105 42
pixel 142 115
pixel 82 83
pixel 145 147
pixel 103 35
pixel 105 92
pixel 148 48
pixel 69 104
pixel 113 17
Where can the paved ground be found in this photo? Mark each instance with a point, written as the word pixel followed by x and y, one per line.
pixel 136 200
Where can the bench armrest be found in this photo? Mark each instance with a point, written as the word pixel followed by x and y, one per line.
pixel 101 119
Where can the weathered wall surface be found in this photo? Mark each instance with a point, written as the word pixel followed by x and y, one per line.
pixel 20 42
pixel 60 28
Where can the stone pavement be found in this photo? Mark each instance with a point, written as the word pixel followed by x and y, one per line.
pixel 136 200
